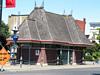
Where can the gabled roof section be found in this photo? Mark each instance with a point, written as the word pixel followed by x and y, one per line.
pixel 24 31
pixel 76 35
pixel 41 25
pixel 57 27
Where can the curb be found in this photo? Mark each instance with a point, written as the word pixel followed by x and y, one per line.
pixel 34 67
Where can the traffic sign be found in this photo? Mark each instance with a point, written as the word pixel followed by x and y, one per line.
pixel 4 56
pixel 15 38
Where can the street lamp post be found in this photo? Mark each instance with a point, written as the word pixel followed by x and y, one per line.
pixel 14 47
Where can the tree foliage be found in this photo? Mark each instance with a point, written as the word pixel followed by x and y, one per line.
pixel 4 33
pixel 4 30
pixel 98 35
pixel 93 53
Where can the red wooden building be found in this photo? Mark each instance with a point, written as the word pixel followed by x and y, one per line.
pixel 50 38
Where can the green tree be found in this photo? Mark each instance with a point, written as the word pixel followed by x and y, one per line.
pixel 4 30
pixel 4 33
pixel 89 52
pixel 98 35
pixel 93 53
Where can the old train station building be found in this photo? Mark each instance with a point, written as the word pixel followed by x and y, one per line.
pixel 49 38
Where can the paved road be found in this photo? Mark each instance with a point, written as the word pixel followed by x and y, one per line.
pixel 85 71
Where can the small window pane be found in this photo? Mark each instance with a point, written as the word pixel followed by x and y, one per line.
pixel 37 52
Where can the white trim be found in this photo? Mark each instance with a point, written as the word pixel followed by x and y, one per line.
pixel 74 64
pixel 38 64
pixel 44 64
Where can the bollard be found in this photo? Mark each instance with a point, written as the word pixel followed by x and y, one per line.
pixel 2 69
pixel 21 62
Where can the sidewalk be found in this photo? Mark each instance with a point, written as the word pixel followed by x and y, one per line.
pixel 16 68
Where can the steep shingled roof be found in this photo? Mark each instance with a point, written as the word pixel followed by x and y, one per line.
pixel 41 25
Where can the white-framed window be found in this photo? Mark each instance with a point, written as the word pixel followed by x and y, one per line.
pixel 37 52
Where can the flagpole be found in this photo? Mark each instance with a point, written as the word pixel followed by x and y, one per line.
pixel 0 26
pixel 1 3
pixel 1 11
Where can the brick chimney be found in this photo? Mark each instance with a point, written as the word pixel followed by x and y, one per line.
pixel 81 24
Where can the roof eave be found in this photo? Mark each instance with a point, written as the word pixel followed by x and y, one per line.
pixel 51 42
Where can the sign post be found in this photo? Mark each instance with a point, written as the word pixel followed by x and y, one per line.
pixel 15 38
pixel 4 57
pixel 1 1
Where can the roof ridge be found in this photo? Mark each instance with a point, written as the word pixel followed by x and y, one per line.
pixel 37 28
pixel 54 13
pixel 68 28
pixel 28 28
pixel 76 28
pixel 48 26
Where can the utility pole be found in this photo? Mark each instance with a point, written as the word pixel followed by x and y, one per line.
pixel 0 16
pixel 0 26
pixel 1 2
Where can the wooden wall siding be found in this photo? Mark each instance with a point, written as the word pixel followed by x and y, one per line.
pixel 51 56
pixel 26 55
pixel 78 57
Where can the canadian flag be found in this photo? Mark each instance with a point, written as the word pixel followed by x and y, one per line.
pixel 10 3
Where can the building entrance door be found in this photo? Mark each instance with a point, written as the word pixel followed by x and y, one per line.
pixel 64 57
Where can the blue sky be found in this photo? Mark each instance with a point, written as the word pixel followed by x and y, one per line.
pixel 89 9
